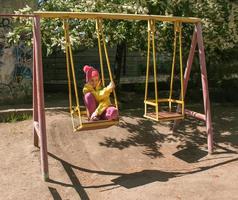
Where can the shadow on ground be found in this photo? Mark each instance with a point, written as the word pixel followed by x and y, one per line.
pixel 128 181
pixel 188 135
pixel 141 134
pixel 190 139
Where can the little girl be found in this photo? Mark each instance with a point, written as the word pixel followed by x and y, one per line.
pixel 96 98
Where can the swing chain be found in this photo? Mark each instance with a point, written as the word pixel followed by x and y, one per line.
pixel 151 26
pixel 71 72
pixel 99 37
pixel 99 26
pixel 67 37
pixel 177 27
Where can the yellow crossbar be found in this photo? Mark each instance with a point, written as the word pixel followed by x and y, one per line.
pixel 149 102
pixel 122 16
pixel 170 100
pixel 153 101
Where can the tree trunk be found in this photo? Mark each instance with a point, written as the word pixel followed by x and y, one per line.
pixel 124 61
pixel 120 61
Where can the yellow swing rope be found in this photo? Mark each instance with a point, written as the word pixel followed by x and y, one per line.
pixel 177 28
pixel 151 39
pixel 68 67
pixel 152 27
pixel 181 67
pixel 100 32
pixel 98 29
pixel 173 66
pixel 69 55
pixel 147 67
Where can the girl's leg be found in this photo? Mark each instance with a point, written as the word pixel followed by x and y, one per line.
pixel 111 113
pixel 90 103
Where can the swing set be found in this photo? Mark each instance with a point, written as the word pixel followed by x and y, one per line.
pixel 164 115
pixel 39 132
pixel 78 115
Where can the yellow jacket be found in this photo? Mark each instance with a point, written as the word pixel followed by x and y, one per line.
pixel 102 96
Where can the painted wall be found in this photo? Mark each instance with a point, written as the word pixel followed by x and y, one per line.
pixel 15 61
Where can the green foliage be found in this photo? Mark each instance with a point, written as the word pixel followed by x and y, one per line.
pixel 15 117
pixel 82 32
pixel 219 18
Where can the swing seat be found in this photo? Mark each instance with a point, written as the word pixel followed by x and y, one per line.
pixel 164 116
pixel 92 125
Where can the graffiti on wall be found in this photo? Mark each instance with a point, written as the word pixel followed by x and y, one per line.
pixel 15 66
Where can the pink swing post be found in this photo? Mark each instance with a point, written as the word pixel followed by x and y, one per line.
pixel 34 92
pixel 205 91
pixel 198 40
pixel 39 132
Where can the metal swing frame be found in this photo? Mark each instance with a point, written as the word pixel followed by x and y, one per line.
pixel 78 113
pixel 164 115
pixel 39 123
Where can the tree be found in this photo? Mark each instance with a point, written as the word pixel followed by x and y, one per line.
pixel 119 34
pixel 220 26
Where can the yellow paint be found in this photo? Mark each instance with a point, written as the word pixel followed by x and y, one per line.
pixel 118 16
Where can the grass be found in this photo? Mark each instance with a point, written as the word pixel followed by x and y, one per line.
pixel 15 117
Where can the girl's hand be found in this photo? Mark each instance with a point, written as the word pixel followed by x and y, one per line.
pixel 99 84
pixel 111 85
pixel 94 117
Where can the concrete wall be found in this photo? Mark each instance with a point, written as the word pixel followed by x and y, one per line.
pixel 55 65
pixel 15 61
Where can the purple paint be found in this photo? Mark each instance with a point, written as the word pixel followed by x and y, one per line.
pixel 34 93
pixel 205 90
pixel 40 98
pixel 195 114
pixel 197 39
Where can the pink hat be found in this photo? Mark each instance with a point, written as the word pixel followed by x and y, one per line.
pixel 90 72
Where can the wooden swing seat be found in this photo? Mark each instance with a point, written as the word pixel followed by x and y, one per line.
pixel 92 125
pixel 164 115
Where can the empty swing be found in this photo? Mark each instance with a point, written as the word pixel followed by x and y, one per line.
pixel 78 113
pixel 169 113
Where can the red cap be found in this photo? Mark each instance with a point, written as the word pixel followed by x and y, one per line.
pixel 90 72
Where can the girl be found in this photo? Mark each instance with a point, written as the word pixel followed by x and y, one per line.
pixel 96 98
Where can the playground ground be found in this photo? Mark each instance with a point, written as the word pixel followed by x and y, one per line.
pixel 136 160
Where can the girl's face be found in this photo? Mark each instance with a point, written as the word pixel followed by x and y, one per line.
pixel 94 81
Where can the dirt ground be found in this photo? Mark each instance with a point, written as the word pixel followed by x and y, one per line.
pixel 137 160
